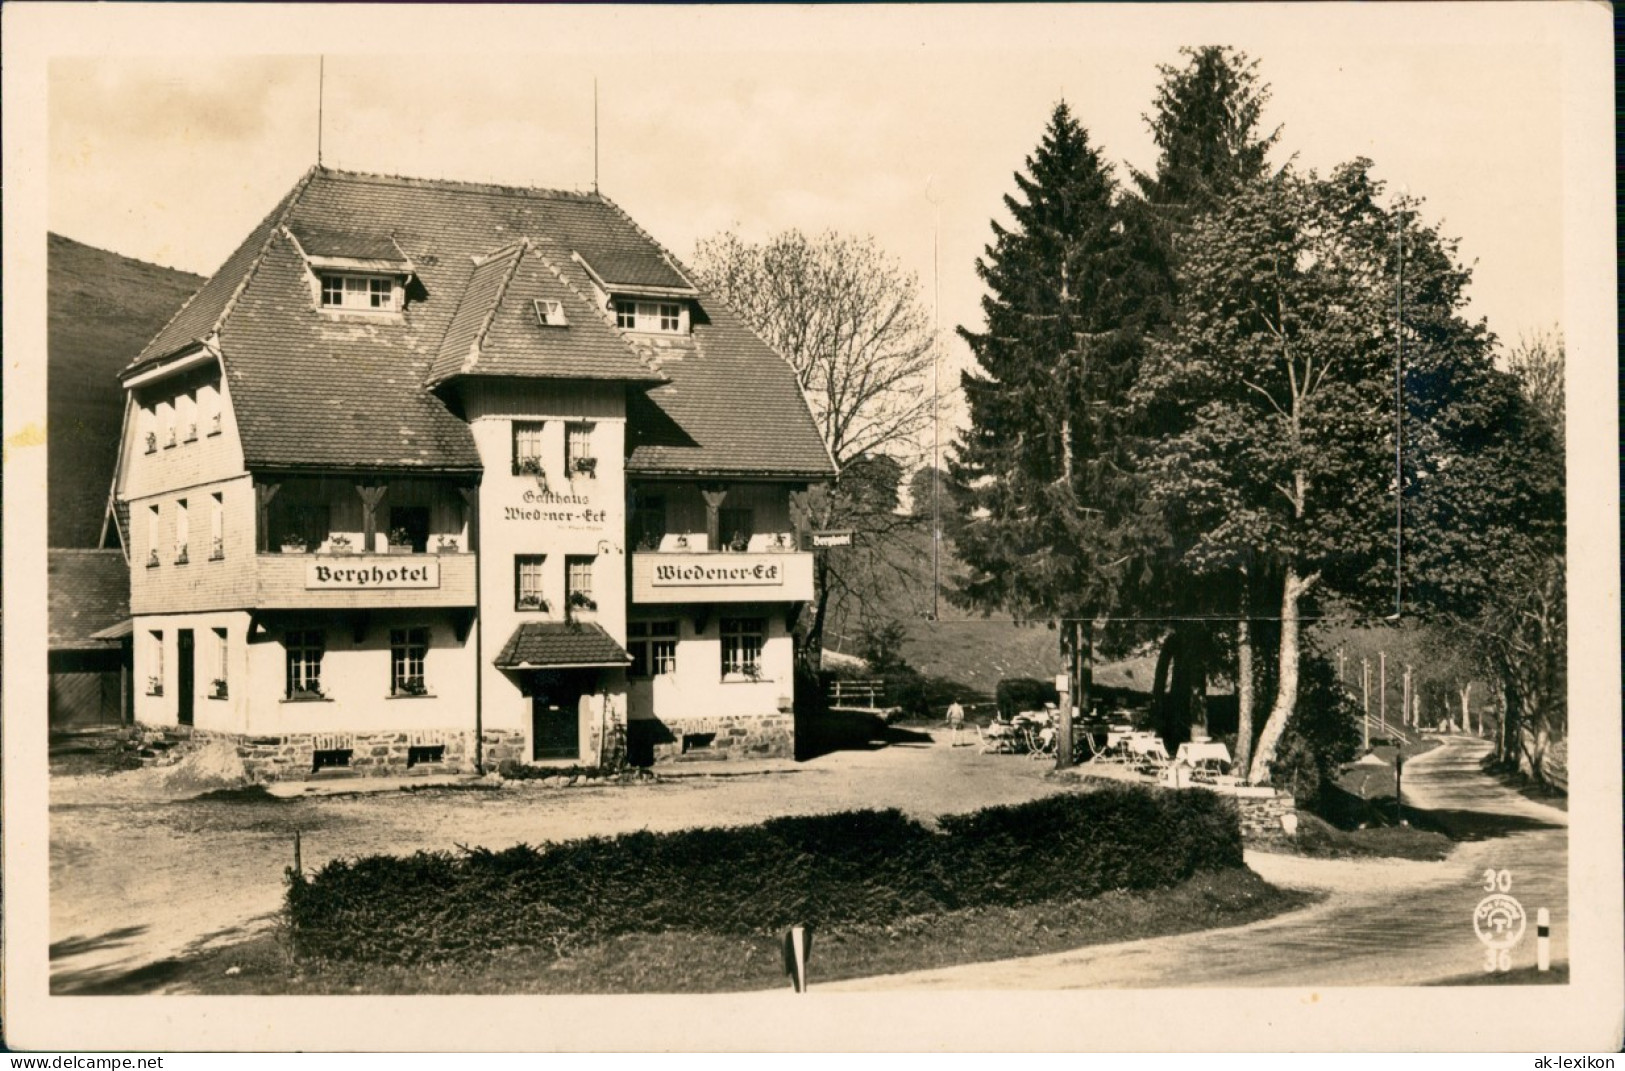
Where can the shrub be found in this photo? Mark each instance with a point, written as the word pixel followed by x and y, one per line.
pixel 1015 694
pixel 873 867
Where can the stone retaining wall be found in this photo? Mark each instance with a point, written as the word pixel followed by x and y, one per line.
pixel 1261 815
pixel 741 736
pixel 292 756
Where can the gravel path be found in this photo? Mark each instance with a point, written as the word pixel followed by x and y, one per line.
pixel 139 878
pixel 1383 922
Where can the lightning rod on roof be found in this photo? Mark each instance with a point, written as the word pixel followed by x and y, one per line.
pixel 595 135
pixel 321 86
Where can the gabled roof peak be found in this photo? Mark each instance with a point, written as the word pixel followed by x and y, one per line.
pixel 461 186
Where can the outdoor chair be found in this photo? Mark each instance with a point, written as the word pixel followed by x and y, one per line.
pixel 1041 743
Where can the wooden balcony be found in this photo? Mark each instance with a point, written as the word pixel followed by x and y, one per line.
pixel 364 581
pixel 679 576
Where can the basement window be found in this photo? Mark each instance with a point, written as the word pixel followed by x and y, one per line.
pixel 698 741
pixel 428 753
pixel 336 759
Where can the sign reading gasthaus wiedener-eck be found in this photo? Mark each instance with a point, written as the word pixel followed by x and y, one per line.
pixel 549 508
pixel 417 573
pixel 691 574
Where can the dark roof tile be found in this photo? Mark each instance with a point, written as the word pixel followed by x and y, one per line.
pixel 560 643
pixel 86 591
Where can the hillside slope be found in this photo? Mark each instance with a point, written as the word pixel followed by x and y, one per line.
pixel 101 309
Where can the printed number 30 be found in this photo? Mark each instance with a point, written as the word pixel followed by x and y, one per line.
pixel 1497 881
pixel 1497 959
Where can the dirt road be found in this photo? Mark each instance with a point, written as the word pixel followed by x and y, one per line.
pixel 139 878
pixel 1383 922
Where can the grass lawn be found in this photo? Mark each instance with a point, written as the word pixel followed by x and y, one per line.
pixel 1318 838
pixel 686 962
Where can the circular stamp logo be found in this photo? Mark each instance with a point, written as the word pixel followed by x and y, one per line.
pixel 1499 921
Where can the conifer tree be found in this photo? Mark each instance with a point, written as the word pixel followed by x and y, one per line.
pixel 1044 474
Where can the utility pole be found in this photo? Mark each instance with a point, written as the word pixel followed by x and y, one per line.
pixel 1405 711
pixel 1382 691
pixel 1365 700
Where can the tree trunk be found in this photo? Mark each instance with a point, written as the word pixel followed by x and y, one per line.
pixel 1159 680
pixel 1467 725
pixel 1244 686
pixel 1286 694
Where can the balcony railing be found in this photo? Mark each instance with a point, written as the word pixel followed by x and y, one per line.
pixel 359 581
pixel 673 577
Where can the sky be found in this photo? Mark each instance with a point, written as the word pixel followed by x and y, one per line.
pixel 906 123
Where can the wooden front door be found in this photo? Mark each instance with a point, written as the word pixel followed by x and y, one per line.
pixel 555 712
pixel 186 673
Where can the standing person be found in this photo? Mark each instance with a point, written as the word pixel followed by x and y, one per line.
pixel 956 718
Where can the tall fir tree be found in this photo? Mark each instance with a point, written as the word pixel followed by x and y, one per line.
pixel 1044 476
pixel 1205 122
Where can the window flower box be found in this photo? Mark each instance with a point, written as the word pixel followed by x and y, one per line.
pixel 738 544
pixel 155 686
pixel 586 467
pixel 214 424
pixel 218 689
pixel 531 602
pixel 191 433
pixel 152 559
pixel 400 541
pixel 218 550
pixel 293 545
pixel 170 441
pixel 447 544
pixel 152 442
pixel 411 686
pixel 339 544
pixel 580 600
pixel 307 693
pixel 181 557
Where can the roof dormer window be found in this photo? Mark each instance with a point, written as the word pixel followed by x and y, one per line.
pixel 659 317
pixel 360 293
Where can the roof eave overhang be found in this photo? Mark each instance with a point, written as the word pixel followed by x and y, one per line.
pixel 265 468
pixel 563 665
pixel 360 264
pixel 194 354
pixel 728 474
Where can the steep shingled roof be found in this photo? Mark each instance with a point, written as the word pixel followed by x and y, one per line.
pixel 86 591
pixel 560 643
pixel 316 389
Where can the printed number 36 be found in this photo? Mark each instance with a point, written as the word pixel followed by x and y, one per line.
pixel 1497 959
pixel 1497 881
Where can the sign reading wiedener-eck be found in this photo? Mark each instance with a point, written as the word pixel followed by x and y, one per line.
pixel 696 574
pixel 417 573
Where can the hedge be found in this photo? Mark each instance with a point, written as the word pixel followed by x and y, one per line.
pixel 858 866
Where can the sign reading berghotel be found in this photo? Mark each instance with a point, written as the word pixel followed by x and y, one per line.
pixel 698 574
pixel 418 573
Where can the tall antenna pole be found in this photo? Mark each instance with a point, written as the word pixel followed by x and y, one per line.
pixel 936 413
pixel 595 135
pixel 321 92
pixel 1399 407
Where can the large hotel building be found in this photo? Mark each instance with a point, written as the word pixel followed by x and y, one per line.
pixel 434 474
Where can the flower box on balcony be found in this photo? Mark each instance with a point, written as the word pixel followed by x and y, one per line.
pixel 531 603
pixel 586 467
pixel 400 541
pixel 291 545
pixel 447 545
pixel 339 544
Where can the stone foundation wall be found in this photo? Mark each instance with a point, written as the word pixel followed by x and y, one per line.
pixel 741 736
pixel 503 745
pixel 292 756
